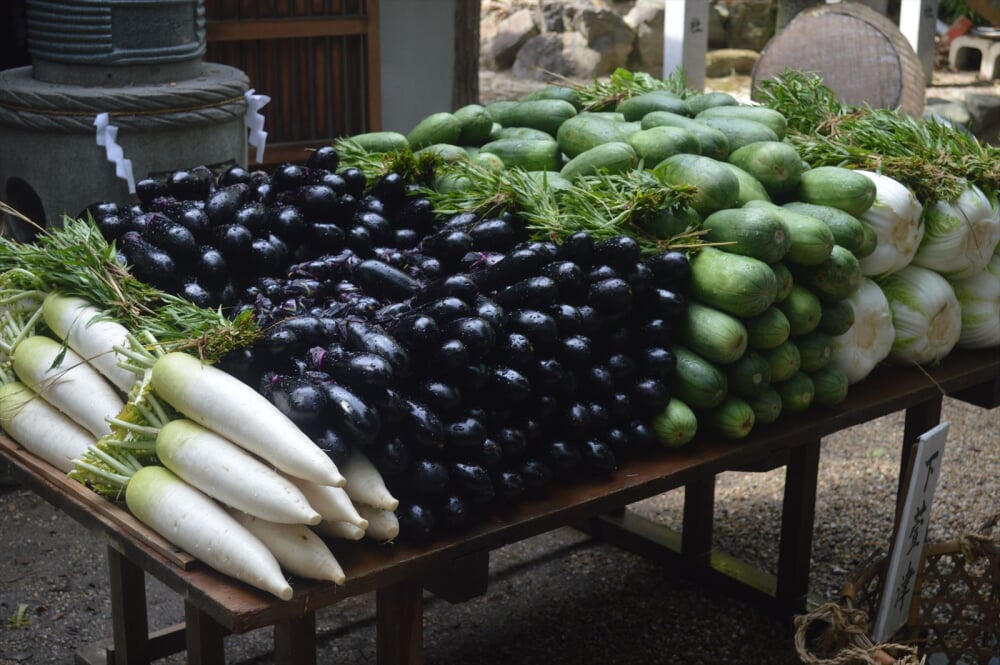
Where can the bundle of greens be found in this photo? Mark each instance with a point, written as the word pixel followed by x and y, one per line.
pixel 936 160
pixel 76 260
pixel 636 203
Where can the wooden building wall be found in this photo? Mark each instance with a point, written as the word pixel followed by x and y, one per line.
pixel 318 61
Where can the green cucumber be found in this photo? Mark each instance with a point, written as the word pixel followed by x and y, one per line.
pixel 713 334
pixel 617 157
pixel 785 280
pixel 837 317
pixel 498 111
pixel 717 186
pixel 733 419
pixel 451 182
pixel 712 142
pixel 766 406
pixel 544 114
pixel 797 393
pixel 635 108
pixel 630 128
pixel 475 124
pixel 830 384
pixel 585 131
pixel 551 180
pixel 812 240
pixel 655 144
pixel 613 116
pixel 833 280
pixel 698 102
pixel 523 133
pixel 563 92
pixel 489 161
pixel 448 152
pixel 838 187
pixel 739 285
pixel 762 114
pixel 530 155
pixel 666 223
pixel 749 376
pixel 755 232
pixel 775 164
pixel 784 361
pixel 848 231
pixel 698 382
pixel 440 127
pixel 741 131
pixel 870 242
pixel 750 187
pixel 768 330
pixel 815 350
pixel 675 425
pixel 381 141
pixel 802 309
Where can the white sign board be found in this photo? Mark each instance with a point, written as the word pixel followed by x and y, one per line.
pixel 685 40
pixel 904 557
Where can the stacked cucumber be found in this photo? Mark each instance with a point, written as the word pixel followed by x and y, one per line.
pixel 781 241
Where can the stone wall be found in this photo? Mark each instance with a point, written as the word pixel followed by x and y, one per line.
pixel 587 39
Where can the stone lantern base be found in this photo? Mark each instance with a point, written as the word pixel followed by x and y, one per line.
pixel 51 165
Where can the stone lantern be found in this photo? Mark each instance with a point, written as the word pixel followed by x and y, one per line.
pixel 141 63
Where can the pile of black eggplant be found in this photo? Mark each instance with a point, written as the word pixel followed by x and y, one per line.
pixel 473 364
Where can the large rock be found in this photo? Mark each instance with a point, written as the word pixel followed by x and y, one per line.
pixel 718 15
pixel 552 15
pixel 564 54
pixel 606 33
pixel 512 33
pixel 750 23
pixel 645 19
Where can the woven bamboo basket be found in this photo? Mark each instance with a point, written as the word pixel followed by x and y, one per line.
pixel 954 617
pixel 859 53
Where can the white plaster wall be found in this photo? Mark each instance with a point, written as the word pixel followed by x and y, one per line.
pixel 417 51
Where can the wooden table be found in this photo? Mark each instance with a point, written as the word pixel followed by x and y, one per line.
pixel 456 568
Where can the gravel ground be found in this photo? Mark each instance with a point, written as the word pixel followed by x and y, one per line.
pixel 558 598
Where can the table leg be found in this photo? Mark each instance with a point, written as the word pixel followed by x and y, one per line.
pixel 919 419
pixel 699 518
pixel 129 623
pixel 798 512
pixel 295 641
pixel 204 637
pixel 399 624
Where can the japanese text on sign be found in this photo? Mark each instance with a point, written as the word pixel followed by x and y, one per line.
pixel 911 534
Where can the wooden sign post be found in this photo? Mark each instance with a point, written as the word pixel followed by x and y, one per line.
pixel 911 534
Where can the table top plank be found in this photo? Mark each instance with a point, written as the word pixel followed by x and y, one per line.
pixel 370 566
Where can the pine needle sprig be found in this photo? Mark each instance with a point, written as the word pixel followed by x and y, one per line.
pixel 604 205
pixel 418 167
pixel 489 192
pixel 75 259
pixel 607 205
pixel 623 84
pixel 805 101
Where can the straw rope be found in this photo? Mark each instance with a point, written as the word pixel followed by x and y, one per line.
pixel 846 636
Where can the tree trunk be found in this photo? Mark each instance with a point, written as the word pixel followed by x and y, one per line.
pixel 787 9
pixel 465 87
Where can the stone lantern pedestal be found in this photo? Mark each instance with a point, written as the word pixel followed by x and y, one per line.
pixel 139 61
